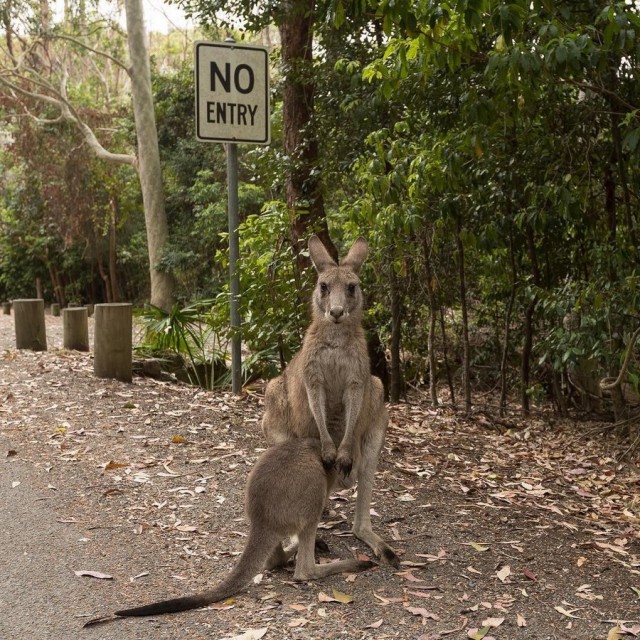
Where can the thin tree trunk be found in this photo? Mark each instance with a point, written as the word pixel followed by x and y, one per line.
pixel 527 347
pixel 105 279
pixel 113 276
pixel 304 194
pixel 433 317
pixel 5 17
pixel 58 290
pixel 395 387
pixel 445 355
pixel 149 169
pixel 507 330
pixel 466 347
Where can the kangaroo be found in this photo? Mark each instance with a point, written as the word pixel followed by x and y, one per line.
pixel 327 391
pixel 285 495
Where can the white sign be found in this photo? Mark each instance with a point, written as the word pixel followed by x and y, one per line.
pixel 232 93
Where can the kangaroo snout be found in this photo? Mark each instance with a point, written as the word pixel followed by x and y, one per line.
pixel 336 312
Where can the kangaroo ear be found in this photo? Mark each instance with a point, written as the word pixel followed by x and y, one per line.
pixel 319 255
pixel 356 255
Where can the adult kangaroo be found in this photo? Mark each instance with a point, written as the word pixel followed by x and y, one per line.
pixel 285 496
pixel 327 391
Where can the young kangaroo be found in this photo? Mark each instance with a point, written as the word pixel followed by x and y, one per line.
pixel 327 391
pixel 285 495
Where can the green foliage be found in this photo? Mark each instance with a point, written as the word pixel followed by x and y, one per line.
pixel 273 300
pixel 188 331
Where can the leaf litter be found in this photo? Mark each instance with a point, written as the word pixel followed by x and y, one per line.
pixel 158 486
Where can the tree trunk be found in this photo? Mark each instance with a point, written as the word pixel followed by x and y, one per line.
pixel 445 355
pixel 304 194
pixel 507 331
pixel 58 287
pixel 113 276
pixel 105 280
pixel 433 317
pixel 5 18
pixel 527 347
pixel 466 347
pixel 149 169
pixel 395 387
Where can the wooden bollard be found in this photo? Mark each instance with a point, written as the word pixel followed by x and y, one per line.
pixel 75 329
pixel 112 342
pixel 55 309
pixel 6 308
pixel 29 322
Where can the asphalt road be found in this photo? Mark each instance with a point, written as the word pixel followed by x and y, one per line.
pixel 40 596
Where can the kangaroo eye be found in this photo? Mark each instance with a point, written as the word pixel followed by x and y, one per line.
pixel 324 287
pixel 351 288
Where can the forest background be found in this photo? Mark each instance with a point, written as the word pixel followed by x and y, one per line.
pixel 489 151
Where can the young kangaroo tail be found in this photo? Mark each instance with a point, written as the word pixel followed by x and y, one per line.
pixel 259 547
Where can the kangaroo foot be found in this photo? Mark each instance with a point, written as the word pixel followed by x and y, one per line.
pixel 379 547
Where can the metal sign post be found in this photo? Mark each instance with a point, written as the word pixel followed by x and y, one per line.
pixel 232 106
pixel 234 277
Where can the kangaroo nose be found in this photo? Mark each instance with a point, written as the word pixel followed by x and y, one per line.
pixel 336 312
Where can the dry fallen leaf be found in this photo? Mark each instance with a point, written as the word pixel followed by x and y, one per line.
pixel 115 465
pixel 477 546
pixel 520 620
pixel 423 613
pixel 298 622
pixel 504 573
pixel 564 612
pixel 375 625
pixel 341 597
pixel 492 622
pixel 94 574
pixel 478 634
pixel 251 634
pixel 615 634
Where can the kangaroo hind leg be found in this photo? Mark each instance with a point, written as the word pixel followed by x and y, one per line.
pixel 306 567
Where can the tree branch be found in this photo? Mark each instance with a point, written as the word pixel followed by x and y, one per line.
pixel 96 51
pixel 68 112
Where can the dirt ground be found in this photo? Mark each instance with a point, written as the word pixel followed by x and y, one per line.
pixel 507 529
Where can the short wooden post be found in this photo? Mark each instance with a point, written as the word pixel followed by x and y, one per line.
pixel 29 323
pixel 89 309
pixel 6 308
pixel 55 309
pixel 112 342
pixel 75 329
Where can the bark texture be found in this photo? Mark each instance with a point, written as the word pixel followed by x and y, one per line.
pixel 149 169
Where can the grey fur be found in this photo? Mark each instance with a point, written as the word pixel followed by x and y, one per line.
pixel 327 391
pixel 285 496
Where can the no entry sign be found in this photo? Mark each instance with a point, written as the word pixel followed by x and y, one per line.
pixel 232 93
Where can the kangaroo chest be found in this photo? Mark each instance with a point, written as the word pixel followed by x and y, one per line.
pixel 335 368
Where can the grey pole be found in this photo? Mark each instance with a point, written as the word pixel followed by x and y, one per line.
pixel 234 255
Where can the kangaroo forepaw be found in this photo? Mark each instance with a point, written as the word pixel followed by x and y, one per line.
pixel 328 456
pixel 344 464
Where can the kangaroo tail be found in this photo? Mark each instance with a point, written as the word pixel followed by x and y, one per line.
pixel 256 553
